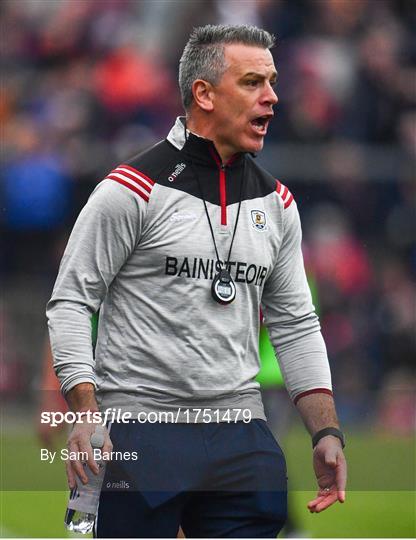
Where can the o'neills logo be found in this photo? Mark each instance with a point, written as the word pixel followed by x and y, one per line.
pixel 176 172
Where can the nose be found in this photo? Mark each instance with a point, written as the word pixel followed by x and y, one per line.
pixel 270 95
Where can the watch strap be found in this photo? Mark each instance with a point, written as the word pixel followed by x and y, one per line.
pixel 328 431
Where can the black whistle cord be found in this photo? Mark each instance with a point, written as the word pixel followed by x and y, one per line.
pixel 206 209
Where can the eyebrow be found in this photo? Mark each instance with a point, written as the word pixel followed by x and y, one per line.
pixel 274 75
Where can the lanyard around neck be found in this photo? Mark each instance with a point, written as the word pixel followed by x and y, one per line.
pixel 223 277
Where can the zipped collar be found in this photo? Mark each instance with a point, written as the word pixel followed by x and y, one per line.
pixel 201 150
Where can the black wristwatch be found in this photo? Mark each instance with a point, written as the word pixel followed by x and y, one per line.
pixel 328 431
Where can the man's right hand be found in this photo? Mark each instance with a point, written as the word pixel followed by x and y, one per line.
pixel 80 441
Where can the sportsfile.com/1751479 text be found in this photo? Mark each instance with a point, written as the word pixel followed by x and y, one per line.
pixel 180 415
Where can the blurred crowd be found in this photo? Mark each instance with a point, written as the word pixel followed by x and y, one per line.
pixel 88 83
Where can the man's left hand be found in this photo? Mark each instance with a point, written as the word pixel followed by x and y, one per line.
pixel 331 473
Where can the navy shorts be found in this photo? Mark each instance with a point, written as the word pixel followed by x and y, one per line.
pixel 215 480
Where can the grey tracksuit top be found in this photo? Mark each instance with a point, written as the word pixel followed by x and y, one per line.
pixel 142 253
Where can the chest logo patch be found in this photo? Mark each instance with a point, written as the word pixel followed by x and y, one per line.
pixel 258 220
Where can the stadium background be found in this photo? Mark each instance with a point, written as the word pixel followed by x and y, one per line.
pixel 85 84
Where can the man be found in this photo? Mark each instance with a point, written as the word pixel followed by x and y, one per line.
pixel 179 248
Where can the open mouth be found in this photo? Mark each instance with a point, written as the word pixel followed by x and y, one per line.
pixel 260 123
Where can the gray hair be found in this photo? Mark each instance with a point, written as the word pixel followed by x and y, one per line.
pixel 203 56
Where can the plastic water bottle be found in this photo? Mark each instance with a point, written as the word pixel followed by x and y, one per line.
pixel 83 499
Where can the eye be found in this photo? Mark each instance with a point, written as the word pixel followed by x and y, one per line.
pixel 252 82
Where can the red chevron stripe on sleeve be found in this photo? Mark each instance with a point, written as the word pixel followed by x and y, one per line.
pixel 134 180
pixel 142 175
pixel 284 194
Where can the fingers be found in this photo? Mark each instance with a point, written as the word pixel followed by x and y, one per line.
pixel 108 445
pixel 75 464
pixel 328 496
pixel 70 475
pixel 320 497
pixel 88 456
pixel 321 502
pixel 81 453
pixel 341 477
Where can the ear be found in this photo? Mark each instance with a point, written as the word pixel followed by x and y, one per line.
pixel 203 93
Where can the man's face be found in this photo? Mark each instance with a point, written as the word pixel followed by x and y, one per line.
pixel 243 99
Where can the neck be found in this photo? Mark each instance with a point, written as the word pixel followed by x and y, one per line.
pixel 201 126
